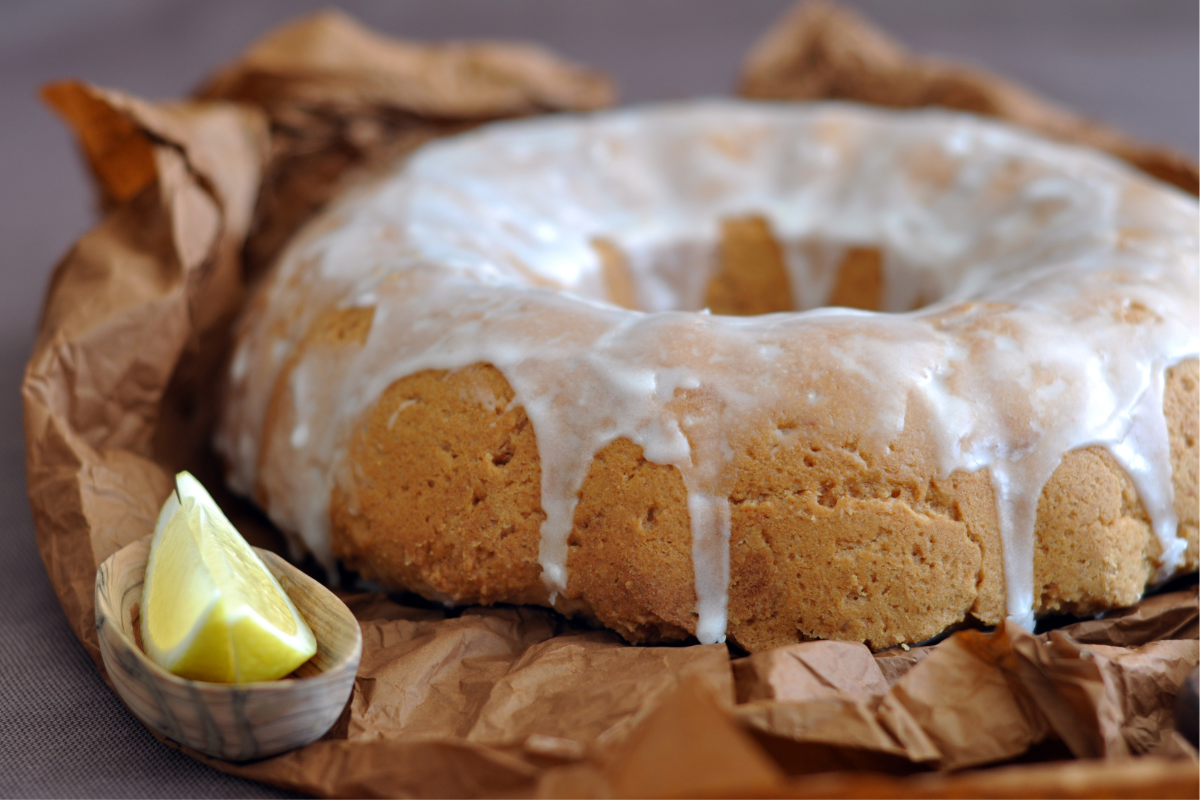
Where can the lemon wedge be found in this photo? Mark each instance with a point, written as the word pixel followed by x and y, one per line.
pixel 211 610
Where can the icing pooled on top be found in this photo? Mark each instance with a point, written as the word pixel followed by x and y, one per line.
pixel 481 249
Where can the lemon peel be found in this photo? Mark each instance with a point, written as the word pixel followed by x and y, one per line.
pixel 211 610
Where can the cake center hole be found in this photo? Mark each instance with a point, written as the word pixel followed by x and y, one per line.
pixel 749 270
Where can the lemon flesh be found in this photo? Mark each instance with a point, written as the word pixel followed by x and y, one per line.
pixel 211 611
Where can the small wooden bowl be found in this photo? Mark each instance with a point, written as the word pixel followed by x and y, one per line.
pixel 235 722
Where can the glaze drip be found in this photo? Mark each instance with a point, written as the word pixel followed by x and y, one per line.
pixel 1058 286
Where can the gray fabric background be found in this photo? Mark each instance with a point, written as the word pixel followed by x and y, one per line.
pixel 62 732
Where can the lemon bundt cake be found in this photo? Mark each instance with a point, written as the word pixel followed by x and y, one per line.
pixel 726 368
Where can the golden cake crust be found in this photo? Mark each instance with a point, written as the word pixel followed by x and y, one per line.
pixel 825 544
pixel 827 541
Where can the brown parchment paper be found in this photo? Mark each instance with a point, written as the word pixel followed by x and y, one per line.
pixel 199 195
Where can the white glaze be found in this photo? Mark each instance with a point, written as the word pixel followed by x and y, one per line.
pixel 479 250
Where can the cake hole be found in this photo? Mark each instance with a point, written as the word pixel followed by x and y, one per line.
pixel 504 455
pixel 746 270
pixel 649 518
pixel 749 221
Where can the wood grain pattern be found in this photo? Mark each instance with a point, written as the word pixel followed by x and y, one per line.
pixel 234 722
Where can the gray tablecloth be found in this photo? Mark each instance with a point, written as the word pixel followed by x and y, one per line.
pixel 62 732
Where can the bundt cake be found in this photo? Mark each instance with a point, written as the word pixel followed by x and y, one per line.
pixel 771 371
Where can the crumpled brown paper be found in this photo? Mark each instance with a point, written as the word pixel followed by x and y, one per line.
pixel 156 279
pixel 344 100
pixel 119 393
pixel 820 51
pixel 1098 700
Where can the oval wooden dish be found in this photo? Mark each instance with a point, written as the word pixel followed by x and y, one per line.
pixel 237 722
